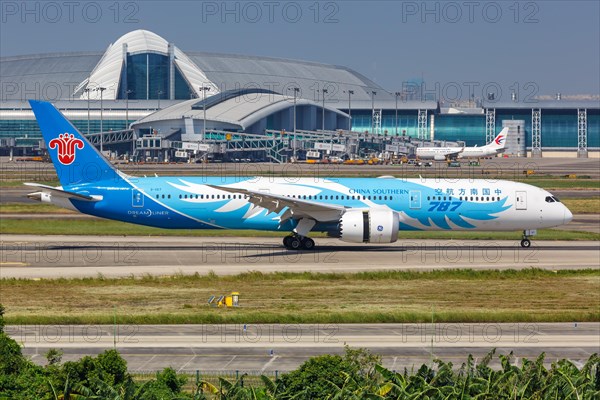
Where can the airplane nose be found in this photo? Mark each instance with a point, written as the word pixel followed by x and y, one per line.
pixel 568 216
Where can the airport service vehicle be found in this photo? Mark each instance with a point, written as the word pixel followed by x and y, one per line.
pixel 355 210
pixel 493 148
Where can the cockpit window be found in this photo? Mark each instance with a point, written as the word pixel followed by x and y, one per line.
pixel 549 199
pixel 556 199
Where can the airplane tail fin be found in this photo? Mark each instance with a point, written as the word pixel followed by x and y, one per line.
pixel 75 159
pixel 499 141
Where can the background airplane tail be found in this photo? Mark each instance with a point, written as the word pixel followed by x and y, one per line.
pixel 499 141
pixel 75 159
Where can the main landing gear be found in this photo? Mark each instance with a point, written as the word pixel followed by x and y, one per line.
pixel 296 242
pixel 299 240
pixel 525 242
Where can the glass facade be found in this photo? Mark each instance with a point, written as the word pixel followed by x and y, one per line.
pixel 407 122
pixel 559 127
pixel 30 128
pixel 147 78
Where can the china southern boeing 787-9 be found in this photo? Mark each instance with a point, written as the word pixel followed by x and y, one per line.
pixel 356 210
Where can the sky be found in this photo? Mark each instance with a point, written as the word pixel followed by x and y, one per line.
pixel 458 47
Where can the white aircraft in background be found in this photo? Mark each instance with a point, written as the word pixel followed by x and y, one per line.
pixel 443 153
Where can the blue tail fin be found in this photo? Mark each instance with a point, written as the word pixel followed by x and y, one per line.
pixel 75 159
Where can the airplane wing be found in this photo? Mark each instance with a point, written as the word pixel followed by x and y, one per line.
pixel 58 193
pixel 454 153
pixel 297 208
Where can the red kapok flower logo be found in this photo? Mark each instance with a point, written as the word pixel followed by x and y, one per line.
pixel 66 143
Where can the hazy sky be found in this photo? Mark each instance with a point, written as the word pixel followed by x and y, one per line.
pixel 537 47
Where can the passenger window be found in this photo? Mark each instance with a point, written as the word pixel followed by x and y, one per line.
pixel 179 196
pixel 168 196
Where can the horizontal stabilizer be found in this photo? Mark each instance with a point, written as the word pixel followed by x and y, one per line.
pixel 58 192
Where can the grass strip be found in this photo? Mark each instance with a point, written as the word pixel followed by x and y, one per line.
pixel 529 295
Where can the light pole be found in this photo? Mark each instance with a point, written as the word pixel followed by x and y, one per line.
pixel 87 90
pixel 350 93
pixel 296 90
pixel 127 92
pixel 101 89
pixel 397 95
pixel 373 94
pixel 324 92
pixel 160 92
pixel 204 89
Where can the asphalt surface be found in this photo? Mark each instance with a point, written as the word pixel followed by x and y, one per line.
pixel 267 348
pixel 29 256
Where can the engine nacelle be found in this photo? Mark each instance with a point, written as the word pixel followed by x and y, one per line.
pixel 439 157
pixel 369 226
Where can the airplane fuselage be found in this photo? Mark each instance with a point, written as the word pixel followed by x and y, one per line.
pixel 189 203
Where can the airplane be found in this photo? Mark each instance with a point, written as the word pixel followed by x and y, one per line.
pixel 355 210
pixel 496 146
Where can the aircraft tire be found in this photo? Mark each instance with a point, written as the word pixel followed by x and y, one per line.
pixel 525 243
pixel 308 243
pixel 295 243
pixel 286 242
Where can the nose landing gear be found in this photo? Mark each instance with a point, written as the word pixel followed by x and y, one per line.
pixel 525 242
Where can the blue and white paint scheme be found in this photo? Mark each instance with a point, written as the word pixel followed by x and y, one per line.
pixel 359 210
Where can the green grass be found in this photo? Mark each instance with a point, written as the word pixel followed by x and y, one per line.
pixel 583 205
pixel 116 228
pixel 285 297
pixel 35 208
pixel 19 183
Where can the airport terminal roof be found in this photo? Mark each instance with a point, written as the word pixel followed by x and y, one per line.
pixel 232 109
pixel 36 76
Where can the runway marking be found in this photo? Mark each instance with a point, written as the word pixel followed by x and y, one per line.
pixel 146 363
pixel 186 364
pixel 268 363
pixel 13 263
pixel 230 361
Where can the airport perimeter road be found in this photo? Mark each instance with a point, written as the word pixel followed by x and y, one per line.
pixel 28 256
pixel 267 348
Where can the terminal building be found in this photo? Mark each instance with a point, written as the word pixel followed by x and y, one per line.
pixel 144 96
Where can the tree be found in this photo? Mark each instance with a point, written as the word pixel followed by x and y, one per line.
pixel 324 376
pixel 2 309
pixel 54 356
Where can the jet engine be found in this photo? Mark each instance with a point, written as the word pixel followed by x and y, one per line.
pixel 439 157
pixel 369 226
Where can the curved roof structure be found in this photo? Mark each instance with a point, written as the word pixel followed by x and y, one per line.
pixel 108 71
pixel 234 109
pixel 37 75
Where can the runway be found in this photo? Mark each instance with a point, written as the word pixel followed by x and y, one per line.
pixel 267 348
pixel 29 256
